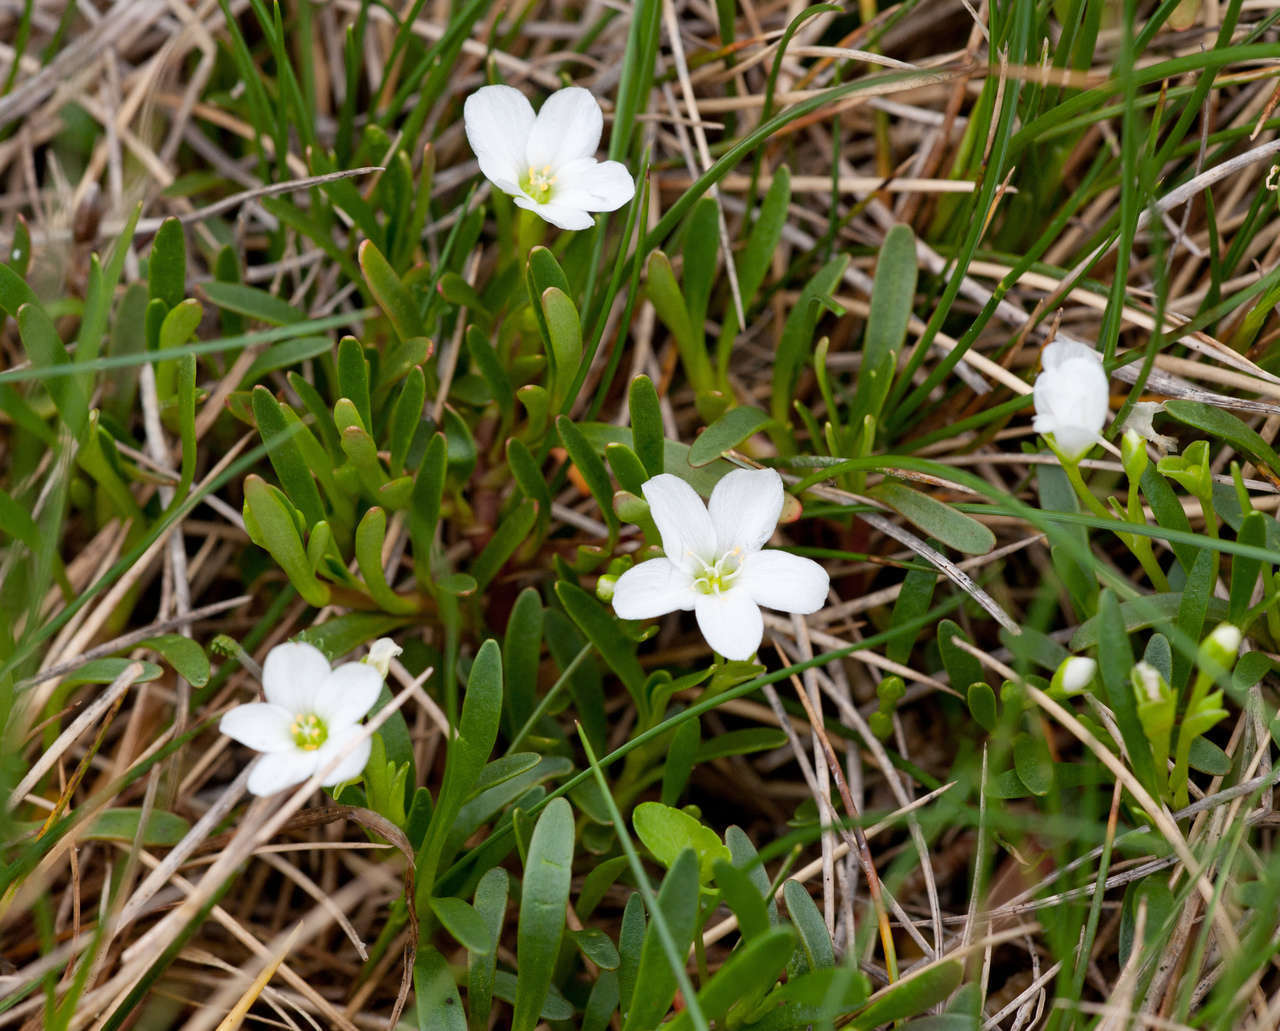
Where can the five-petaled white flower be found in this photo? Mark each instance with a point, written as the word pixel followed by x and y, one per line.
pixel 310 716
pixel 547 163
pixel 1071 396
pixel 714 564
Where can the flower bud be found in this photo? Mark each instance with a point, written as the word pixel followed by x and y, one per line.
pixel 1074 675
pixel 1218 651
pixel 1148 684
pixel 381 652
pixel 1133 454
pixel 605 586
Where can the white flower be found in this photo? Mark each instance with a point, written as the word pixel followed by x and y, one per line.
pixel 547 163
pixel 1071 396
pixel 381 652
pixel 310 716
pixel 714 564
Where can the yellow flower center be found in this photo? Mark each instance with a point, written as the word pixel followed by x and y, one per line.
pixel 537 183
pixel 718 576
pixel 309 732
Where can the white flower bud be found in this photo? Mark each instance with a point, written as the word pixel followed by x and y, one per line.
pixel 1219 650
pixel 1147 677
pixel 1075 674
pixel 381 652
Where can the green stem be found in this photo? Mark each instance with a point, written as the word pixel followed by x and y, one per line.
pixel 1139 546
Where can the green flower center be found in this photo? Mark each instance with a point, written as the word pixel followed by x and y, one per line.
pixel 718 576
pixel 538 183
pixel 309 732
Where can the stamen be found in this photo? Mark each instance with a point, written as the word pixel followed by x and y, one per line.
pixel 309 732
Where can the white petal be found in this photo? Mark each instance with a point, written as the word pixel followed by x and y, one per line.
pixel 276 771
pixel 731 622
pixel 681 518
pixel 563 216
pixel 498 120
pixel 259 725
pixel 347 694
pixel 1073 441
pixel 567 127
pixel 653 588
pixel 593 185
pixel 745 507
pixel 1063 349
pixel 786 582
pixel 349 767
pixel 292 674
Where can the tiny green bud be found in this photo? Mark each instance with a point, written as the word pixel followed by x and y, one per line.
pixel 605 586
pixel 1073 675
pixel 1133 453
pixel 890 690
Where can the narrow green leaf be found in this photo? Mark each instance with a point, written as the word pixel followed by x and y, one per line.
pixel 646 424
pixel 757 963
pixel 795 347
pixel 286 457
pixel 491 904
pixel 277 532
pixel 726 433
pixel 390 292
pixel 353 378
pixel 701 240
pixel 167 264
pixel 914 994
pixel 162 829
pixel 592 470
pixel 439 1008
pixel 466 758
pixel 815 942
pixel 937 519
pixel 521 651
pixel 655 980
pixel 252 303
pixel 406 416
pixel 180 324
pixel 670 305
pixel 510 534
pixel 680 759
pixel 601 629
pixel 465 924
pixel 1033 762
pixel 184 655
pixel 1196 592
pixel 424 508
pixel 743 899
pixel 564 339
pixel 491 370
pixel 370 537
pixel 544 895
pixel 1115 659
pixel 892 296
